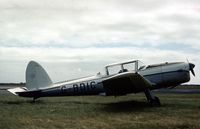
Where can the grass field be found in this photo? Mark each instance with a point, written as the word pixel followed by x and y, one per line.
pixel 178 111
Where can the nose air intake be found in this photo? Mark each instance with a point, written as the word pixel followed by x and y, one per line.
pixel 191 67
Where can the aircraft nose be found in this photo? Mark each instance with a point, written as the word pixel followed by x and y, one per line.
pixel 191 67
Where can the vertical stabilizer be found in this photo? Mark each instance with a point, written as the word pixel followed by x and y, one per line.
pixel 36 77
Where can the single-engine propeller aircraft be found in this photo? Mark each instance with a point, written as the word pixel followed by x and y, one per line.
pixel 119 79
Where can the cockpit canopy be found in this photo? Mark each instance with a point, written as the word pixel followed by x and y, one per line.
pixel 134 65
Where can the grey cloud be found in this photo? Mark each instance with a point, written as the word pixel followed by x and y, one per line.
pixel 56 30
pixel 92 20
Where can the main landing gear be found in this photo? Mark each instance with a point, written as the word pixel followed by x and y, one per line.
pixel 152 100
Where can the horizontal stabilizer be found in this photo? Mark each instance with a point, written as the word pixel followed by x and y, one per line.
pixel 16 90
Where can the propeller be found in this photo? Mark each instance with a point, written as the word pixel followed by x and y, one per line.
pixel 191 66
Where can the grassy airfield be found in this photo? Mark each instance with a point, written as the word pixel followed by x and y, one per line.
pixel 178 111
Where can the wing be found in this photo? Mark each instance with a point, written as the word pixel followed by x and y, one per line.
pixel 125 83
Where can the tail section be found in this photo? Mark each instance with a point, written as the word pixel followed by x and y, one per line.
pixel 36 77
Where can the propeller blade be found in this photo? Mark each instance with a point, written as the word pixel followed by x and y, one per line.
pixel 192 68
pixel 193 72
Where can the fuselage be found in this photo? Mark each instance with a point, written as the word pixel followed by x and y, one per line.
pixel 159 75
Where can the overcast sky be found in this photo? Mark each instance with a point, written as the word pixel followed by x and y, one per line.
pixel 74 38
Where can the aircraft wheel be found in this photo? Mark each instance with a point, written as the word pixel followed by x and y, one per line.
pixel 155 102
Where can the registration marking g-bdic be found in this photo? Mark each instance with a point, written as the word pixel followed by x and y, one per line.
pixel 80 87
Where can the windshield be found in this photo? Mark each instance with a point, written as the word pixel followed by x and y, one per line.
pixel 124 67
pixel 141 65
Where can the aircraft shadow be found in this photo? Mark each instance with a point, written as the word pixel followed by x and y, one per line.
pixel 130 106
pixel 122 106
pixel 125 106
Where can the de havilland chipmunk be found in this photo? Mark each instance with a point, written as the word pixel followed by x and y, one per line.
pixel 119 79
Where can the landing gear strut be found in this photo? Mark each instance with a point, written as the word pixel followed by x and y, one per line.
pixel 151 98
pixel 34 99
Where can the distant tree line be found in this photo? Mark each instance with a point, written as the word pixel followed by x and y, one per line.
pixel 21 83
